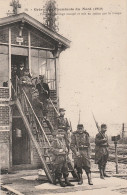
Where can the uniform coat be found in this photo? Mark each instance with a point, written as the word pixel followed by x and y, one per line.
pixel 80 143
pixel 62 123
pixel 101 149
pixel 59 158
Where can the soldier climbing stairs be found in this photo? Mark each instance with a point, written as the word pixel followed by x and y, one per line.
pixel 38 135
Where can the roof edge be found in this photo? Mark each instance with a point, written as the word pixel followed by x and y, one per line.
pixel 35 23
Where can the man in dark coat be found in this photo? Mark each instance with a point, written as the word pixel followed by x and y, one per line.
pixel 25 83
pixel 37 104
pixel 44 93
pixel 80 146
pixel 62 124
pixel 101 150
pixel 59 152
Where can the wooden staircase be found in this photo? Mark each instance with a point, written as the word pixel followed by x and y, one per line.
pixel 40 133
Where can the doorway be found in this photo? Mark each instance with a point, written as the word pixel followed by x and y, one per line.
pixel 20 143
pixel 18 64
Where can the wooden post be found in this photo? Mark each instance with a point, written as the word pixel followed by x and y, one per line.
pixel 57 70
pixel 29 55
pixel 116 157
pixel 9 53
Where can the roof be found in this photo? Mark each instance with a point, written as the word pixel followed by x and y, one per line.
pixel 35 23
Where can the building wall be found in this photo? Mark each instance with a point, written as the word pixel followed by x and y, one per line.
pixel 38 59
pixel 4 133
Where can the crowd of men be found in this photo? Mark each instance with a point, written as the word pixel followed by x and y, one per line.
pixel 37 92
pixel 79 143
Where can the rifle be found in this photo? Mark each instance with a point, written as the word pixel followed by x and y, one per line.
pixel 96 122
pixel 79 117
pixel 70 127
pixel 97 125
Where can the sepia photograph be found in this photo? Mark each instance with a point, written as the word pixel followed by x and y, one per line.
pixel 63 97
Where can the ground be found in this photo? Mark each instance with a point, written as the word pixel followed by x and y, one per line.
pixel 27 183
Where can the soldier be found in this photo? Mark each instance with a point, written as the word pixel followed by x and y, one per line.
pixel 37 104
pixel 101 150
pixel 59 157
pixel 62 123
pixel 80 146
pixel 44 93
pixel 26 84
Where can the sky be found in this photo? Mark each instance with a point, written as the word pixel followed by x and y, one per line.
pixel 93 71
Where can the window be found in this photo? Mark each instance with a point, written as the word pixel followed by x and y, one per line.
pixel 4 71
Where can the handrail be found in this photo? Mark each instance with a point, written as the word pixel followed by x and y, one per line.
pixel 36 117
pixel 54 107
pixel 33 113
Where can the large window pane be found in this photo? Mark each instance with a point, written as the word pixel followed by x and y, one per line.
pixel 4 71
pixel 51 73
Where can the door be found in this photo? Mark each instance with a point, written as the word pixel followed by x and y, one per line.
pixel 18 64
pixel 20 143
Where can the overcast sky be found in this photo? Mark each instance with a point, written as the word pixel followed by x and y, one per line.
pixel 94 69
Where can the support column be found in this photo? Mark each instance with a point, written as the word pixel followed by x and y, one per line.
pixel 29 57
pixel 9 56
pixel 56 54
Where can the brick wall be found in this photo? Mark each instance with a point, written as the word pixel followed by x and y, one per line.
pixel 4 115
pixel 4 93
pixel 4 136
pixel 4 149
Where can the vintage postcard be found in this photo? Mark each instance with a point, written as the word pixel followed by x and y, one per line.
pixel 63 97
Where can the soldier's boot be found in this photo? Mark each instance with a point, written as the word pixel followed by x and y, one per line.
pixel 62 184
pixel 104 173
pixel 89 179
pixel 67 182
pixel 101 173
pixel 80 179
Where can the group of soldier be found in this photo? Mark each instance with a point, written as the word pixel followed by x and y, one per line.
pixel 37 92
pixel 79 143
pixel 80 147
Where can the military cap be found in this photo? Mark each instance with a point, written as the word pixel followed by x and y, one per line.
pixel 103 126
pixel 41 76
pixel 61 110
pixel 79 126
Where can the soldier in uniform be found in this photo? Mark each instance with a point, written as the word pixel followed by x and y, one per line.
pixel 62 123
pixel 80 146
pixel 101 150
pixel 44 93
pixel 59 153
pixel 37 104
pixel 26 84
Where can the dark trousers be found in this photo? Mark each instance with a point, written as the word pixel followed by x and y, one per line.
pixel 102 162
pixel 61 167
pixel 83 162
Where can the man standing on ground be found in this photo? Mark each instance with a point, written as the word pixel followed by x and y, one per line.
pixel 101 150
pixel 80 146
pixel 59 152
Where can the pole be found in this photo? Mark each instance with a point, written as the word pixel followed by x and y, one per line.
pixel 79 117
pixel 116 157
